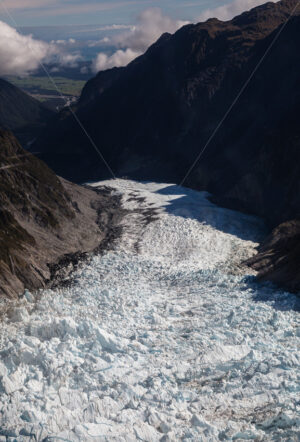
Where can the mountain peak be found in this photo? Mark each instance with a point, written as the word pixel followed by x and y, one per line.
pixel 153 117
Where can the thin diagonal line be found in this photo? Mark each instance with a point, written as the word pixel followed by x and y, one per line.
pixel 10 166
pixel 61 95
pixel 240 93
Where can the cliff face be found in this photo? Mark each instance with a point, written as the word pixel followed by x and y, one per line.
pixel 42 218
pixel 152 118
pixel 278 258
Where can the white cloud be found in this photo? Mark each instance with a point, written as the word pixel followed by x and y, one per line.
pixel 119 58
pixel 59 42
pixel 227 12
pixel 103 41
pixel 70 41
pixel 70 60
pixel 151 24
pixel 22 54
pixel 104 28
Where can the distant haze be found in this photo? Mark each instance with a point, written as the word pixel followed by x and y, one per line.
pixel 86 40
pixel 104 12
pixel 105 45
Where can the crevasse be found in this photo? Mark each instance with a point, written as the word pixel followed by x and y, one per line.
pixel 166 337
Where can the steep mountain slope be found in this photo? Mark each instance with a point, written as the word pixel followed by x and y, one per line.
pixel 152 118
pixel 278 259
pixel 43 218
pixel 21 113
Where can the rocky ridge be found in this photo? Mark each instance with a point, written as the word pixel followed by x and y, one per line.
pixel 21 113
pixel 152 118
pixel 45 219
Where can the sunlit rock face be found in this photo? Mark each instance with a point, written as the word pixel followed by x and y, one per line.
pixel 166 337
pixel 43 218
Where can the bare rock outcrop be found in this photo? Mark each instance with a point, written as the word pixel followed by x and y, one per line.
pixel 44 218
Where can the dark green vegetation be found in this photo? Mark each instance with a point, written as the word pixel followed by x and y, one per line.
pixel 21 113
pixel 44 86
pixel 81 71
pixel 152 118
pixel 54 95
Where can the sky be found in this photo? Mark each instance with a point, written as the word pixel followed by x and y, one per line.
pixel 106 33
pixel 66 12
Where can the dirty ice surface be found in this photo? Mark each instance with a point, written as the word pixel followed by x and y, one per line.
pixel 165 338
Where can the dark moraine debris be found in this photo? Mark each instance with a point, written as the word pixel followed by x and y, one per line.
pixel 278 258
pixel 44 220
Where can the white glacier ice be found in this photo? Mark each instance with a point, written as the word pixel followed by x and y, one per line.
pixel 165 338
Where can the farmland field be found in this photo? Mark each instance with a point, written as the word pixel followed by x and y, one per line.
pixel 44 86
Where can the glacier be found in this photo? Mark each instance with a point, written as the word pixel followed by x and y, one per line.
pixel 166 337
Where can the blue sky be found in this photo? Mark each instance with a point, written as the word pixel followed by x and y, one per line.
pixel 106 33
pixel 63 12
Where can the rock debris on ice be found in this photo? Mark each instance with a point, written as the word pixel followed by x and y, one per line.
pixel 165 338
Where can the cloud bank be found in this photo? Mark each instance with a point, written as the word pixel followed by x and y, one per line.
pixel 55 8
pixel 151 24
pixel 22 54
pixel 227 12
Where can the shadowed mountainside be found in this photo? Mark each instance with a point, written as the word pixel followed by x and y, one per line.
pixel 152 118
pixel 20 113
pixel 278 257
pixel 43 218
